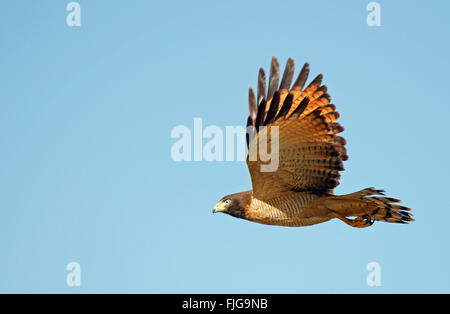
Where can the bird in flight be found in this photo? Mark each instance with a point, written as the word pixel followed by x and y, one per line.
pixel 299 192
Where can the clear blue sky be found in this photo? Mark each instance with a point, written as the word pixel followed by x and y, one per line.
pixel 86 173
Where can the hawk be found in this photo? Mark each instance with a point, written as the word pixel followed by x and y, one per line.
pixel 299 192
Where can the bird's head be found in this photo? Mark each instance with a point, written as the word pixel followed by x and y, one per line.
pixel 234 204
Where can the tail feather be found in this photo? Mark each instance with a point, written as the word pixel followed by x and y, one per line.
pixel 386 209
pixel 371 203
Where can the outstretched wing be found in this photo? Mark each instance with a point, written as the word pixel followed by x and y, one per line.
pixel 310 152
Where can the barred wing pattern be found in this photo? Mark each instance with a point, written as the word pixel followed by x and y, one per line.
pixel 310 151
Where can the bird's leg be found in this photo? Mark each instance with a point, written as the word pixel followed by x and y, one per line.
pixel 359 222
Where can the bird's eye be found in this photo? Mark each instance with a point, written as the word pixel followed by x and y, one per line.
pixel 227 202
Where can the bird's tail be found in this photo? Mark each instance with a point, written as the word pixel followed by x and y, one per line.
pixel 368 205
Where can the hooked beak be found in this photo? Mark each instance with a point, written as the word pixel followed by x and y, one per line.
pixel 219 208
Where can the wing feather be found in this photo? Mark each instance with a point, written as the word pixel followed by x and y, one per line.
pixel 274 77
pixel 261 114
pixel 261 86
pixel 287 75
pixel 302 77
pixel 253 109
pixel 273 109
pixel 310 154
pixel 285 107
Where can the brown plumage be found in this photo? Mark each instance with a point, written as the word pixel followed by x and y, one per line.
pixel 299 192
